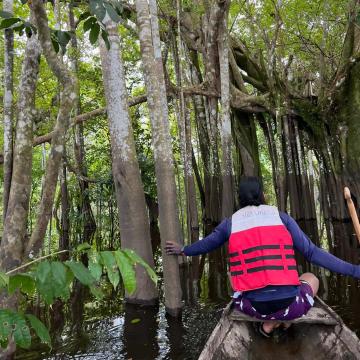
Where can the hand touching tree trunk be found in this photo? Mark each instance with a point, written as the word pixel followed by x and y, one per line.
pixel 164 163
pixel 134 221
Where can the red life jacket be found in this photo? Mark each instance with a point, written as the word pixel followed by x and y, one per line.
pixel 260 250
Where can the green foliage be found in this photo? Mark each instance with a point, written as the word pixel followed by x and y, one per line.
pixel 127 271
pixel 25 282
pixel 93 19
pixel 60 39
pixel 136 259
pixel 94 266
pixel 111 267
pixel 40 329
pixel 94 33
pixel 4 280
pixel 17 24
pixel 81 272
pixel 13 324
pixel 52 280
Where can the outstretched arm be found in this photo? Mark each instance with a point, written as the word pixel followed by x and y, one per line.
pixel 315 254
pixel 211 242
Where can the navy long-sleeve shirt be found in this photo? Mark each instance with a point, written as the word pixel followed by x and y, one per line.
pixel 302 243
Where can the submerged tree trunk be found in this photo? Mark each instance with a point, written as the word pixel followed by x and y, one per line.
pixel 14 236
pixel 8 105
pixel 184 129
pixel 67 103
pixel 164 163
pixel 134 222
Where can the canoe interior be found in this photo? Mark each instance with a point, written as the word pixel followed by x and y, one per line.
pixel 320 335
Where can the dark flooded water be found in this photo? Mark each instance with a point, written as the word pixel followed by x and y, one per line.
pixel 111 330
pixel 133 333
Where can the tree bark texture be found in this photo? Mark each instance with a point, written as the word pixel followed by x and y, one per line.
pixel 227 202
pixel 68 97
pixel 88 225
pixel 184 130
pixel 164 163
pixel 14 236
pixel 134 221
pixel 64 240
pixel 8 107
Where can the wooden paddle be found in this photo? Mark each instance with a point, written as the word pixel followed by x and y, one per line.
pixel 352 212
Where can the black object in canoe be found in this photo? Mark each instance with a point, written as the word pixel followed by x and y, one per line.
pixel 321 334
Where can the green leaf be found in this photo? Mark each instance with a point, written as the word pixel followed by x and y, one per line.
pixel 81 272
pixel 97 9
pixel 112 12
pixel 111 267
pixel 52 281
pixel 28 31
pixel 94 33
pixel 95 268
pixel 55 45
pixel 127 271
pixel 136 259
pixel 6 14
pixel 89 23
pixel 83 246
pixel 118 6
pixel 40 329
pixel 84 15
pixel 20 29
pixel 96 291
pixel 4 279
pixel 6 23
pixel 12 323
pixel 24 282
pixel 105 37
pixel 63 37
pixel 135 321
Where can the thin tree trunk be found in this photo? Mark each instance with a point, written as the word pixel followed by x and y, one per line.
pixel 164 163
pixel 8 112
pixel 134 222
pixel 87 217
pixel 67 103
pixel 184 126
pixel 227 203
pixel 64 240
pixel 14 236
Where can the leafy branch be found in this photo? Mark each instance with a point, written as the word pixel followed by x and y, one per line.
pixel 53 279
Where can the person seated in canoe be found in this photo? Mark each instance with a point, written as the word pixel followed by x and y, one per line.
pixel 262 262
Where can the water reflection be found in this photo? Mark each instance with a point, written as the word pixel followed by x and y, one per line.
pixel 113 331
pixel 140 331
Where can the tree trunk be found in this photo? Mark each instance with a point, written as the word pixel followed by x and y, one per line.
pixel 64 240
pixel 87 217
pixel 134 222
pixel 184 129
pixel 14 236
pixel 227 203
pixel 164 163
pixel 8 107
pixel 67 103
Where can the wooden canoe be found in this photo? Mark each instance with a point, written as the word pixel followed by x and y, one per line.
pixel 321 334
